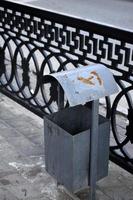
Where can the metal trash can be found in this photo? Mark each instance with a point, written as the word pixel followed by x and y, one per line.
pixel 67 146
pixel 77 138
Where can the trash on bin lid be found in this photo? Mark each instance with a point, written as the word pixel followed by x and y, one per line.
pixel 86 84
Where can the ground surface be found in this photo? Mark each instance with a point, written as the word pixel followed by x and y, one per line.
pixel 22 167
pixel 116 13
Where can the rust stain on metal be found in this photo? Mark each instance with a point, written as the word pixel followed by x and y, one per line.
pixel 90 78
pixel 97 76
pixel 86 80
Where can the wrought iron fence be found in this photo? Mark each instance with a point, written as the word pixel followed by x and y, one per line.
pixel 34 43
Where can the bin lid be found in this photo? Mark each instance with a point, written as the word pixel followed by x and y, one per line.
pixel 87 83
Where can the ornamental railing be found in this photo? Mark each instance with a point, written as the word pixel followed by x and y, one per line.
pixel 35 42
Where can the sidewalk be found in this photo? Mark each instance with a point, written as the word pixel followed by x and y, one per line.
pixel 22 167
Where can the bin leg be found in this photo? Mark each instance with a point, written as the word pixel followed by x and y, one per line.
pixel 93 149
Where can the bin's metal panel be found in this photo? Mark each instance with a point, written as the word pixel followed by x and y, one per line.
pixel 86 84
pixel 67 149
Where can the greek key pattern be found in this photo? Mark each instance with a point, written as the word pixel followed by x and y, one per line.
pixel 87 46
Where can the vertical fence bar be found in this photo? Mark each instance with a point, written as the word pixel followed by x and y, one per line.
pixel 60 98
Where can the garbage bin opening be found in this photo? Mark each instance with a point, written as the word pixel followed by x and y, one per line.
pixel 74 120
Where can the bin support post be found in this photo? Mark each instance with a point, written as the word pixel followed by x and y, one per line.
pixel 93 149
